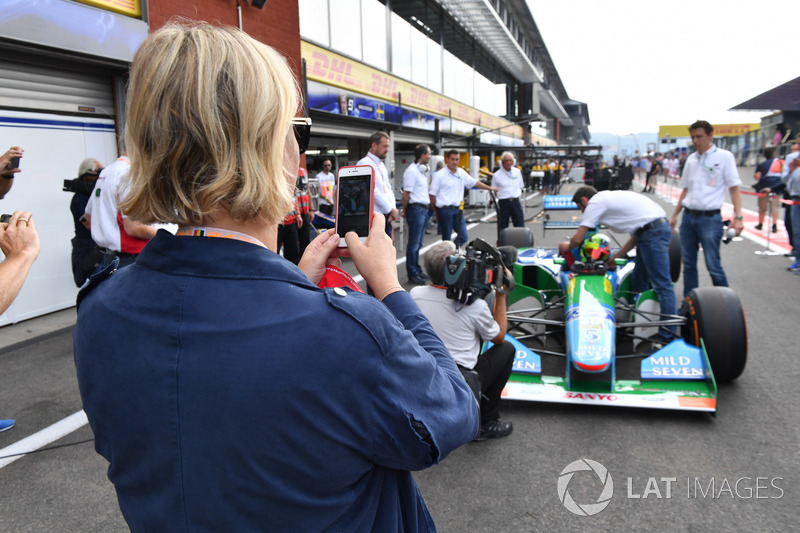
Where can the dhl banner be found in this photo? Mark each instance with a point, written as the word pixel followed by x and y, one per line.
pixel 720 130
pixel 330 68
pixel 132 8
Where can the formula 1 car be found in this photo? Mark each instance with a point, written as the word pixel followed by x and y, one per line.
pixel 583 336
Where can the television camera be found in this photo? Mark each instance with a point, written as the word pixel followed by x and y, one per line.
pixel 478 270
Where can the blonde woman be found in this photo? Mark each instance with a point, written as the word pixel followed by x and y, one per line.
pixel 215 411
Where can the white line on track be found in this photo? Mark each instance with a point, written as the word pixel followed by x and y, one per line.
pixel 52 433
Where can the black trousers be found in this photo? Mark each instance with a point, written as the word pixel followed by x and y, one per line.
pixel 288 237
pixel 494 368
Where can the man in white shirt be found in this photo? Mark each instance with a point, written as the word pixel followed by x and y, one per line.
pixel 326 181
pixel 646 222
pixel 415 210
pixel 791 177
pixel 707 174
pixel 118 235
pixel 447 194
pixel 463 329
pixel 384 195
pixel 508 180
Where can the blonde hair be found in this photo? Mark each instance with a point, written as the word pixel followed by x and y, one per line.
pixel 209 110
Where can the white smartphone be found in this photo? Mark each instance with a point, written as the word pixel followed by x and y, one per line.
pixel 355 201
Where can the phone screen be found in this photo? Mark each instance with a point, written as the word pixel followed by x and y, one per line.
pixel 354 201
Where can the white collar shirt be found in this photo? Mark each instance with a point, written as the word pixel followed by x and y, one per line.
pixel 448 187
pixel 791 179
pixel 508 182
pixel 384 195
pixel 622 211
pixel 706 178
pixel 416 183
pixel 103 205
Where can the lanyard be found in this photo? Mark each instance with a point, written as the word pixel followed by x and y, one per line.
pixel 454 174
pixel 201 231
pixel 702 159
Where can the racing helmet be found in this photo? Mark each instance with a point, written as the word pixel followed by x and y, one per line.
pixel 596 248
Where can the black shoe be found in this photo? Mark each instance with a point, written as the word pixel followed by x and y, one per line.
pixel 424 276
pixel 416 280
pixel 774 228
pixel 495 429
pixel 759 227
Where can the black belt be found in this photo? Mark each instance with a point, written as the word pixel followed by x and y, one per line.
pixel 650 225
pixel 508 199
pixel 418 204
pixel 450 207
pixel 106 251
pixel 698 213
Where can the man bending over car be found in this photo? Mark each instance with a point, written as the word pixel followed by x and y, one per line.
pixel 646 221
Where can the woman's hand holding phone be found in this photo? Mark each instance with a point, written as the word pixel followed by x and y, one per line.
pixel 321 252
pixel 376 259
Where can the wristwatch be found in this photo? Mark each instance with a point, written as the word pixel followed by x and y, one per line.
pixel 738 217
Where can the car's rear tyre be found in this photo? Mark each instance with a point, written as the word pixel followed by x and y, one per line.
pixel 717 317
pixel 517 237
pixel 675 257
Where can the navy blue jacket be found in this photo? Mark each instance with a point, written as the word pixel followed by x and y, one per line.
pixel 229 393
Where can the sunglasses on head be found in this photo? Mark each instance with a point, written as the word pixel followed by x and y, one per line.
pixel 302 132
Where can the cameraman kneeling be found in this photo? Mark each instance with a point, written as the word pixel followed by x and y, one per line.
pixel 463 328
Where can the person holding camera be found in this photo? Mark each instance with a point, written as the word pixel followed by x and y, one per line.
pixel 18 241
pixel 9 165
pixel 86 255
pixel 215 411
pixel 463 329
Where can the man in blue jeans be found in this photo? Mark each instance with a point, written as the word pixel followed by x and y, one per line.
pixel 415 210
pixel 646 221
pixel 791 177
pixel 447 194
pixel 707 173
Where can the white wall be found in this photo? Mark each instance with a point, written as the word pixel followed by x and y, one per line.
pixel 54 147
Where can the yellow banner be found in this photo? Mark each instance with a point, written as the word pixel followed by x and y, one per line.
pixel 720 130
pixel 132 8
pixel 330 68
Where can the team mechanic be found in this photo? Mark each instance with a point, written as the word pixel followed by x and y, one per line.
pixel 645 220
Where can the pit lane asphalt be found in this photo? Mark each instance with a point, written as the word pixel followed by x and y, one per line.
pixel 507 484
